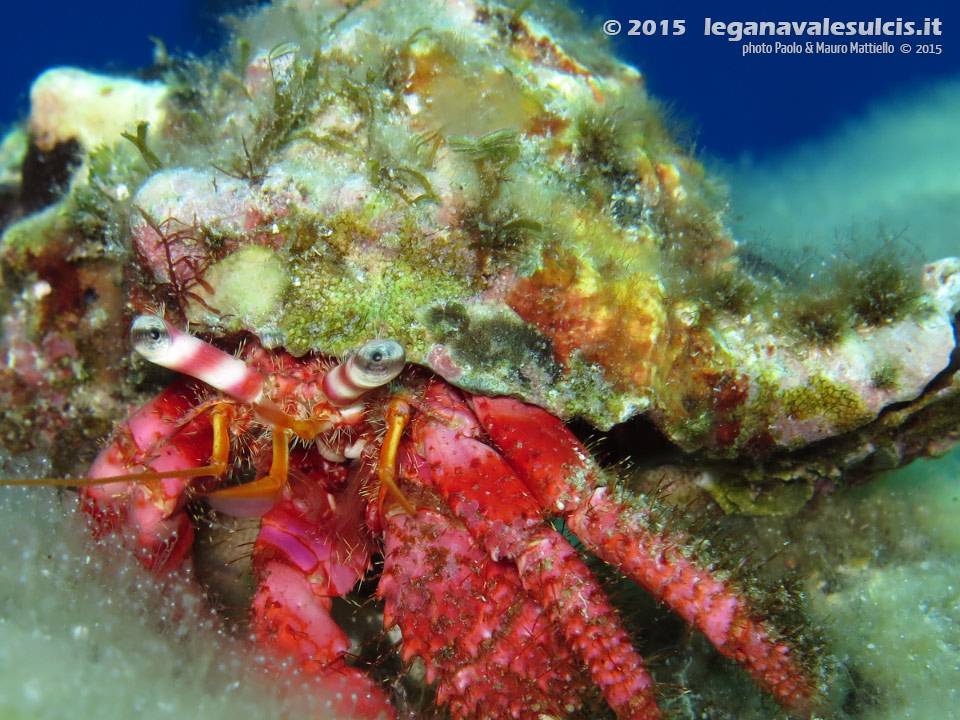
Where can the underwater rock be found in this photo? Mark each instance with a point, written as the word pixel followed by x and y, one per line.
pixel 70 104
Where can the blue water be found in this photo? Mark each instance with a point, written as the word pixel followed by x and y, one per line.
pixel 105 35
pixel 729 105
pixel 761 104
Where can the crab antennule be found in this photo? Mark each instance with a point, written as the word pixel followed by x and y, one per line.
pixel 161 343
pixel 219 419
pixel 372 366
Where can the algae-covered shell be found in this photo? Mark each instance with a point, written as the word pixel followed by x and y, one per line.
pixel 450 176
pixel 490 189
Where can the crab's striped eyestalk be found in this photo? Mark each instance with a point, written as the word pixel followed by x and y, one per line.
pixel 161 343
pixel 372 366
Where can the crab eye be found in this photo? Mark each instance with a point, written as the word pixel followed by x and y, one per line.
pixel 372 366
pixel 377 363
pixel 150 336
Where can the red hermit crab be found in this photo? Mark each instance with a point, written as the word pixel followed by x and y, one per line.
pixel 455 489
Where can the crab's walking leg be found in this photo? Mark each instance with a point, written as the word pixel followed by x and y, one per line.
pixel 561 474
pixel 493 651
pixel 488 497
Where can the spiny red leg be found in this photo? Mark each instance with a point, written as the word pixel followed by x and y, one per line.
pixel 485 493
pixel 492 649
pixel 563 477
pixel 619 533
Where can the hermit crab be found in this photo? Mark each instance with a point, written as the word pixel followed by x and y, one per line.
pixel 501 200
pixel 455 488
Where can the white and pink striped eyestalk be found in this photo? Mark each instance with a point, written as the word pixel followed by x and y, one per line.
pixel 372 366
pixel 161 343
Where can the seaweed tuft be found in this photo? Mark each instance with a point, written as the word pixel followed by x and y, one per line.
pixel 886 376
pixel 819 316
pixel 886 288
pixel 601 142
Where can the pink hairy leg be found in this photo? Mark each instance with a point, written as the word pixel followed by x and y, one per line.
pixel 492 649
pixel 560 473
pixel 302 562
pixel 488 497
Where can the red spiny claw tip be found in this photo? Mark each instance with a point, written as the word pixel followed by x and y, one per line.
pixel 292 617
pixel 774 664
pixel 492 650
pixel 619 533
pixel 354 694
pixel 553 572
pixel 299 569
pixel 165 543
pixel 162 542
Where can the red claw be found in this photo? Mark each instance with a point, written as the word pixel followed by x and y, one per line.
pixel 163 435
pixel 302 564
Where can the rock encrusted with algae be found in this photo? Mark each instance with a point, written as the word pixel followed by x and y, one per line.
pixel 484 185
